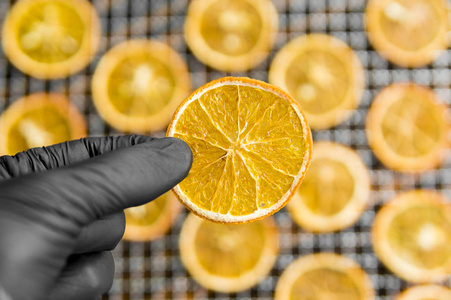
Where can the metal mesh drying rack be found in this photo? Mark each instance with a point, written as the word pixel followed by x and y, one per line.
pixel 154 270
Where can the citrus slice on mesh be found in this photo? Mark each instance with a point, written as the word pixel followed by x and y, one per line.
pixel 412 236
pixel 152 220
pixel 323 74
pixel 39 120
pixel 407 127
pixel 228 258
pixel 251 148
pixel 231 35
pixel 335 190
pixel 138 85
pixel 409 33
pixel 426 292
pixel 324 276
pixel 51 38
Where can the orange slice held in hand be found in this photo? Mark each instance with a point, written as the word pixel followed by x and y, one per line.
pixel 335 190
pixel 231 35
pixel 426 292
pixel 152 220
pixel 39 120
pixel 228 258
pixel 410 33
pixel 407 128
pixel 251 145
pixel 51 38
pixel 323 74
pixel 324 276
pixel 138 85
pixel 412 236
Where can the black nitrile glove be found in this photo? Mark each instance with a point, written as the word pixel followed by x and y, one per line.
pixel 61 211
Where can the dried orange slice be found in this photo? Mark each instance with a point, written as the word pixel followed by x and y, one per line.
pixel 251 146
pixel 412 236
pixel 138 84
pixel 231 35
pixel 426 292
pixel 407 127
pixel 324 276
pixel 228 258
pixel 323 74
pixel 409 33
pixel 335 190
pixel 39 120
pixel 51 38
pixel 152 220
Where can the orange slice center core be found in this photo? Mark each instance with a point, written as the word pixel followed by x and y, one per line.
pixel 422 236
pixel 50 33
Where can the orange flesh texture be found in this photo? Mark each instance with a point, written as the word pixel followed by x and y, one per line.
pixel 49 127
pixel 421 235
pixel 247 160
pixel 231 27
pixel 50 32
pixel 140 85
pixel 323 72
pixel 412 126
pixel 327 187
pixel 412 25
pixel 325 283
pixel 148 214
pixel 219 247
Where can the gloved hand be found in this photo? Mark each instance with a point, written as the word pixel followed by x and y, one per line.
pixel 61 210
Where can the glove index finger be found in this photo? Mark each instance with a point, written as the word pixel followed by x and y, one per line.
pixel 64 154
pixel 107 183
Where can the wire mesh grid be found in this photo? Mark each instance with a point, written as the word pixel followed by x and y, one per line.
pixel 154 270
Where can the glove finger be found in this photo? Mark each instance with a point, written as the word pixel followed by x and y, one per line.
pixel 103 185
pixel 63 154
pixel 86 276
pixel 101 235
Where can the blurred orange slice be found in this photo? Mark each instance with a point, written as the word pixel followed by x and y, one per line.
pixel 323 74
pixel 231 35
pixel 228 258
pixel 407 127
pixel 412 236
pixel 51 38
pixel 409 33
pixel 152 220
pixel 335 190
pixel 324 276
pixel 138 85
pixel 426 292
pixel 251 146
pixel 39 120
